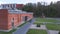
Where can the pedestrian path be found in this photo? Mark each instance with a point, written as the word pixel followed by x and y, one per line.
pixel 53 32
pixel 43 27
pixel 24 29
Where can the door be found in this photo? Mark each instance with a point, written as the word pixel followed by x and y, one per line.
pixel 26 17
pixel 13 23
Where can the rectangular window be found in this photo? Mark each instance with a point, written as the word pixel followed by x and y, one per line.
pixel 23 18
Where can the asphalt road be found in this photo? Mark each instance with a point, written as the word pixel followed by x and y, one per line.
pixel 25 28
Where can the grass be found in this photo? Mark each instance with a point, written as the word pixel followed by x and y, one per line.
pixel 10 32
pixel 53 26
pixel 44 20
pixel 35 31
pixel 22 24
pixel 50 23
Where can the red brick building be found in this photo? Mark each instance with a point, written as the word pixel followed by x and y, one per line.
pixel 11 18
pixel 19 6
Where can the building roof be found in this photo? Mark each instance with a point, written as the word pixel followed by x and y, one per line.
pixel 18 12
pixel 13 9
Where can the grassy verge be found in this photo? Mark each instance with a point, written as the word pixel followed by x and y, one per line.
pixel 44 20
pixel 22 24
pixel 53 26
pixel 38 23
pixel 10 32
pixel 35 31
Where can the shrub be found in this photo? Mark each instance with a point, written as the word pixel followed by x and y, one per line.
pixel 38 25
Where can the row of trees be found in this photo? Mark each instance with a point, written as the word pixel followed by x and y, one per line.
pixel 41 8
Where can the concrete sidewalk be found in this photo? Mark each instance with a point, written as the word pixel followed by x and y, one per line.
pixel 24 29
pixel 53 32
pixel 34 26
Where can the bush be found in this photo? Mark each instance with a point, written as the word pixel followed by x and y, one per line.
pixel 38 25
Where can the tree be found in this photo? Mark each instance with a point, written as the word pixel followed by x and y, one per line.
pixel 52 10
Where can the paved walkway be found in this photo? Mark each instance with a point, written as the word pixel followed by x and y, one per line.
pixel 24 29
pixel 53 32
pixel 43 27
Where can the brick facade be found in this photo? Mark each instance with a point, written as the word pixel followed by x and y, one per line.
pixel 8 20
pixel 19 6
pixel 3 19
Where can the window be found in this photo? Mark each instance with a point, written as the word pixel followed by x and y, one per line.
pixel 13 5
pixel 23 18
pixel 26 17
pixel 8 5
pixel 12 20
pixel 3 6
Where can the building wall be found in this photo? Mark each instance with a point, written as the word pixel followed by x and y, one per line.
pixel 6 19
pixel 11 6
pixel 30 16
pixel 19 6
pixel 16 20
pixel 3 19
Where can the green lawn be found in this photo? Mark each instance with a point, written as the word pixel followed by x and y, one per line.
pixel 44 20
pixel 50 23
pixel 8 32
pixel 35 31
pixel 53 26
